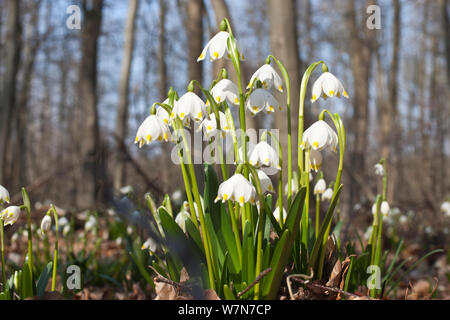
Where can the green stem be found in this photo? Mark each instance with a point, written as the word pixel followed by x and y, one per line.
pixel 3 256
pixel 55 257
pixel 317 214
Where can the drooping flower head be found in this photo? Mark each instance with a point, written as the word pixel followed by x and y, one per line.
pixel 320 187
pixel 236 188
pixel 261 99
pixel 315 160
pixel 189 105
pixel 268 77
pixel 276 214
pixel 384 208
pixel 150 244
pixel 225 90
pixel 181 219
pixel 319 136
pixel 327 195
pixel 10 215
pixel 379 169
pixel 327 85
pixel 152 129
pixel 4 195
pixel 266 183
pixel 217 47
pixel 264 154
pixel 209 126
pixel 46 223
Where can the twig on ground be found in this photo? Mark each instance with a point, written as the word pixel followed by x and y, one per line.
pixel 258 278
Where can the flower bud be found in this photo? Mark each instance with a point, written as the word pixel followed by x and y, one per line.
pixel 223 25
pixel 46 224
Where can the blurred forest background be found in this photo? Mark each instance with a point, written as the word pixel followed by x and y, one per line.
pixel 71 100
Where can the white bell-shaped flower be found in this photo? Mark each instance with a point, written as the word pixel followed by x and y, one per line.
pixel 209 126
pixel 152 129
pixel 320 187
pixel 379 169
pixel 261 99
pixel 445 207
pixel 90 224
pixel 315 160
pixel 225 90
pixel 327 195
pixel 46 224
pixel 181 218
pixel 4 195
pixel 384 208
pixel 236 188
pixel 63 221
pixel 217 47
pixel 189 105
pixel 264 154
pixel 294 188
pixel 327 85
pixel 276 214
pixel 266 183
pixel 268 77
pixel 150 244
pixel 319 136
pixel 66 230
pixel 10 215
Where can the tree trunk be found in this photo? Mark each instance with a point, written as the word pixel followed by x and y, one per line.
pixel 124 85
pixel 92 162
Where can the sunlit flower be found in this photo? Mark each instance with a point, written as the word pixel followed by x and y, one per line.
pixel 209 126
pixel 327 85
pixel 320 187
pixel 152 129
pixel 327 195
pixel 266 183
pixel 150 244
pixel 4 195
pixel 181 218
pixel 236 188
pixel 66 230
pixel 10 215
pixel 319 136
pixel 226 90
pixel 217 47
pixel 276 214
pixel 445 207
pixel 46 223
pixel 315 160
pixel 264 154
pixel 189 105
pixel 379 169
pixel 403 220
pixel 90 224
pixel 162 113
pixel 62 221
pixel 384 208
pixel 268 77
pixel 261 99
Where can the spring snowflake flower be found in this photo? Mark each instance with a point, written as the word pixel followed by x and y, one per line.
pixel 46 224
pixel 152 129
pixel 150 244
pixel 268 77
pixel 327 85
pixel 162 113
pixel 66 230
pixel 217 47
pixel 90 224
pixel 236 188
pixel 319 136
pixel 63 221
pixel 264 154
pixel 379 169
pixel 225 90
pixel 261 99
pixel 189 105
pixel 181 218
pixel 327 195
pixel 445 207
pixel 320 187
pixel 4 195
pixel 266 183
pixel 276 214
pixel 315 160
pixel 403 220
pixel 209 126
pixel 384 208
pixel 10 215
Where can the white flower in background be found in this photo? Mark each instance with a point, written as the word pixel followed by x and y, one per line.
pixel 209 126
pixel 320 136
pixel 150 244
pixel 395 212
pixel 189 105
pixel 264 154
pixel 327 195
pixel 181 218
pixel 14 237
pixel 268 77
pixel 261 99
pixel 4 195
pixel 129 230
pixel 236 188
pixel 445 208
pixel 384 208
pixel 177 196
pixel 403 220
pixel 46 223
pixel 152 129
pixel 119 241
pixel 225 90
pixel 217 47
pixel 368 233
pixel 327 85
pixel 320 187
pixel 62 221
pixel 379 169
pixel 10 215
pixel 66 230
pixel 429 230
pixel 276 214
pixel 90 224
pixel 126 189
pixel 266 183
pixel 294 188
pixel 315 160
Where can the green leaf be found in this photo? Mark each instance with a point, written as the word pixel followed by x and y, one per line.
pixel 226 232
pixel 228 293
pixel 26 199
pixel 248 254
pixel 26 286
pixel 43 279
